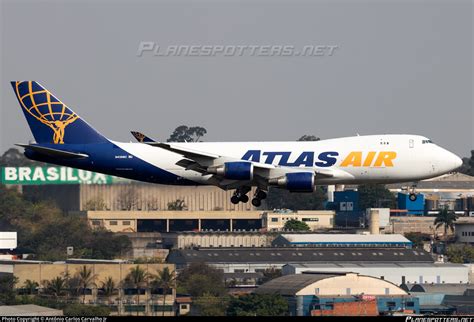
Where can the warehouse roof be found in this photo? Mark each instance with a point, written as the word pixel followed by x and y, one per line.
pixel 452 289
pixel 310 266
pixel 296 255
pixel 291 284
pixel 345 238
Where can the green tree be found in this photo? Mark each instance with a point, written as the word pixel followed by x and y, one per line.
pixel 184 133
pixel 109 287
pixel 45 231
pixel 283 199
pixel 165 279
pixel 56 287
pixel 177 205
pixel 14 158
pixel 296 225
pixel 269 274
pixel 7 286
pixel 137 278
pixel 200 278
pixel 309 138
pixel 85 310
pixel 417 239
pixel 461 254
pixel 468 165
pixel 30 286
pixel 258 305
pixel 208 304
pixel 446 218
pixel 375 196
pixel 86 279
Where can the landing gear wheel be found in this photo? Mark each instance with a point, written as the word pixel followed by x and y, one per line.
pixel 412 197
pixel 261 195
pixel 244 198
pixel 256 202
pixel 234 199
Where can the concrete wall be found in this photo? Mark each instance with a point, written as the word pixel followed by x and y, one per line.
pixel 440 273
pixel 417 224
pixel 151 197
pixel 315 219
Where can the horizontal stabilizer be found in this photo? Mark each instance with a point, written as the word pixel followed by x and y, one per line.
pixel 54 152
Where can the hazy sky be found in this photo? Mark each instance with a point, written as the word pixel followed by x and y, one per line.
pixel 399 67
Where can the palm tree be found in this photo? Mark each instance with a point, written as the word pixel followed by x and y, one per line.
pixel 108 285
pixel 446 218
pixel 137 277
pixel 57 286
pixel 86 278
pixel 30 286
pixel 165 280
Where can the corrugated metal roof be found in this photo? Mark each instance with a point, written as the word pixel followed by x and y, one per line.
pixel 373 265
pixel 284 255
pixel 291 284
pixel 345 238
pixel 452 289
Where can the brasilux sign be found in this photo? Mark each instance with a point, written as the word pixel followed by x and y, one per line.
pixel 52 175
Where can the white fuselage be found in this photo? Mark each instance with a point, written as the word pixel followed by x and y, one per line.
pixel 360 159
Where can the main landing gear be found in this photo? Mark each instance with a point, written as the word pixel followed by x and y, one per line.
pixel 258 197
pixel 240 195
pixel 412 194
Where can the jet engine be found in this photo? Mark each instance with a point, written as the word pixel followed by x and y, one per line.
pixel 295 182
pixel 233 170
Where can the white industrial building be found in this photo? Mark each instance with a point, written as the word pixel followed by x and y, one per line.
pixel 397 273
pixel 341 240
pixel 8 240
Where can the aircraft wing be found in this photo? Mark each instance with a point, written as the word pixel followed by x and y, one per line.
pixel 201 162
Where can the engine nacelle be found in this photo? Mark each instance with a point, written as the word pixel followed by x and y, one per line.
pixel 296 182
pixel 234 170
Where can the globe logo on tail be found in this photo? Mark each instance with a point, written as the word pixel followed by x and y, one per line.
pixel 44 107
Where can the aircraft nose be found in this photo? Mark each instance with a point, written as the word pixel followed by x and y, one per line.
pixel 454 161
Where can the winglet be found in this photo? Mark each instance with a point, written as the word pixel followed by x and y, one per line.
pixel 142 138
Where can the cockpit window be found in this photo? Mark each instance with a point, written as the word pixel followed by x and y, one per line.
pixel 426 141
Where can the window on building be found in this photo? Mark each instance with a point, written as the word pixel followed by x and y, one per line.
pixel 391 304
pixel 126 222
pixel 95 222
pixel 184 306
pixel 113 223
pixel 410 303
pixel 316 291
pixel 274 219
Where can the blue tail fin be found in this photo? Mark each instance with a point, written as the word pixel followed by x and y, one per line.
pixel 49 119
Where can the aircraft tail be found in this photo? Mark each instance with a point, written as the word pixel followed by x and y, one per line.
pixel 49 119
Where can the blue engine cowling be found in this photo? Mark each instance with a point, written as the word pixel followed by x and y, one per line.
pixel 300 182
pixel 238 170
